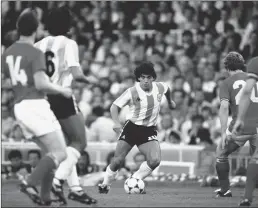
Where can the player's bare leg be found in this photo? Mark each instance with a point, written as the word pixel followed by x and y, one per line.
pixel 54 145
pixel 152 152
pixel 122 149
pixel 74 129
pixel 252 178
pixel 222 168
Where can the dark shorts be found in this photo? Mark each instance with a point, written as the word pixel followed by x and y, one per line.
pixel 63 107
pixel 136 135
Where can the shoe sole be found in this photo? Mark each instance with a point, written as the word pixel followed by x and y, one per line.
pixel 81 201
pixel 34 199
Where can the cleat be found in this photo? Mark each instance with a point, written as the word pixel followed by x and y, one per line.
pixel 82 197
pixel 103 188
pixel 245 203
pixel 58 191
pixel 31 192
pixel 219 193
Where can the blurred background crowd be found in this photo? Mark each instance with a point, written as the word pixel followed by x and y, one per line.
pixel 186 41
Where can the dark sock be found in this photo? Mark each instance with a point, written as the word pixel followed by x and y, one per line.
pixel 252 177
pixel 45 166
pixel 46 186
pixel 222 168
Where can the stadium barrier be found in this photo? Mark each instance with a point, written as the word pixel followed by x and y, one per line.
pixel 175 158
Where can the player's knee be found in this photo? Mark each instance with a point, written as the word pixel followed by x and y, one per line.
pixel 154 162
pixel 58 157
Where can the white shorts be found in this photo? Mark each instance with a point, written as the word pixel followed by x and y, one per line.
pixel 35 118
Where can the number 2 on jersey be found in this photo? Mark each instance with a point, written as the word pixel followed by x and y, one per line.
pixel 241 83
pixel 49 55
pixel 17 74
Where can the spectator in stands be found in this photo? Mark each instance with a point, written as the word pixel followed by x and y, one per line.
pixel 84 165
pixel 17 169
pixel 137 54
pixel 16 133
pixel 34 158
pixel 198 134
pixel 190 22
pixel 174 137
pixel 101 130
pixel 251 49
pixel 189 47
pixel 224 19
pixel 209 85
pixel 166 126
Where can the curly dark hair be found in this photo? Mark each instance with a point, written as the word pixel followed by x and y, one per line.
pixel 145 68
pixel 234 61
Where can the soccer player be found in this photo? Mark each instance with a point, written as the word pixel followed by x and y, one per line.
pixel 248 97
pixel 144 101
pixel 62 59
pixel 230 94
pixel 25 66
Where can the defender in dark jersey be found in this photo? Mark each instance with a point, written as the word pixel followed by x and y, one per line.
pixel 25 66
pixel 245 104
pixel 62 60
pixel 230 93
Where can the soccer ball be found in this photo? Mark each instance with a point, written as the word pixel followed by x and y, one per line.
pixel 134 186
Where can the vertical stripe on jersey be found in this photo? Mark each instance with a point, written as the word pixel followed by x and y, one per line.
pixel 150 107
pixel 160 88
pixel 136 103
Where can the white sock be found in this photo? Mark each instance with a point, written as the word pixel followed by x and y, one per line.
pixel 143 171
pixel 66 167
pixel 109 176
pixel 73 180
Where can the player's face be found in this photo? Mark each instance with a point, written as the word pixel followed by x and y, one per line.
pixel 146 82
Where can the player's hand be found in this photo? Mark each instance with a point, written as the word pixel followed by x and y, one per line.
pixel 67 92
pixel 117 128
pixel 238 127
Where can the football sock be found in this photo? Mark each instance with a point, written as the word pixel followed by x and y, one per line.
pixel 222 167
pixel 109 176
pixel 252 177
pixel 46 186
pixel 65 168
pixel 46 165
pixel 143 171
pixel 73 180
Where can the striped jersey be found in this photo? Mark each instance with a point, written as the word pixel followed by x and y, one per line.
pixel 60 53
pixel 143 107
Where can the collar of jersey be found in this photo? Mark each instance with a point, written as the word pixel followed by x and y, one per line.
pixel 147 93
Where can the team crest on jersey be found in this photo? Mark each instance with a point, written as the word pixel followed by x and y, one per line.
pixel 159 96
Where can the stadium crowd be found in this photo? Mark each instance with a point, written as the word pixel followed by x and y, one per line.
pixel 186 41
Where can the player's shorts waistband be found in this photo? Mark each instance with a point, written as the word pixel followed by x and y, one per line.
pixel 130 123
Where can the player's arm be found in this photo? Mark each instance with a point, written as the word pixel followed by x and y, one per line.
pixel 42 81
pixel 72 59
pixel 120 102
pixel 171 103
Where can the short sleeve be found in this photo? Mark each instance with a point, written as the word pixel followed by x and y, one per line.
pixel 72 54
pixel 166 87
pixel 252 68
pixel 224 92
pixel 38 63
pixel 123 99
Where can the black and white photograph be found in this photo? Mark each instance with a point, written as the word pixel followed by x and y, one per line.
pixel 129 103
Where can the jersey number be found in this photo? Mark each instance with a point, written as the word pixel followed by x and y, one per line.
pixel 241 83
pixel 17 74
pixel 49 55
